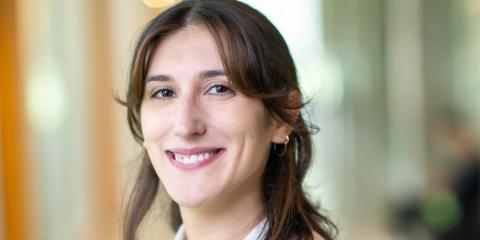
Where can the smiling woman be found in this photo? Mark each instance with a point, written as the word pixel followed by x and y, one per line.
pixel 208 145
pixel 212 88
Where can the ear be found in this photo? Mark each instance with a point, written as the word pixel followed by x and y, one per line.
pixel 282 129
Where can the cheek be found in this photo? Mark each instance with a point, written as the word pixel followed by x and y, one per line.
pixel 249 120
pixel 152 126
pixel 250 135
pixel 153 131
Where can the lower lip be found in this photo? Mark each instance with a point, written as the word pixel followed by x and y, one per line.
pixel 197 165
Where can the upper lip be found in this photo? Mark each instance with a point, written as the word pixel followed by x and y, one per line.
pixel 192 151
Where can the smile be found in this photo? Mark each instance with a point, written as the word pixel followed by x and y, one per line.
pixel 190 159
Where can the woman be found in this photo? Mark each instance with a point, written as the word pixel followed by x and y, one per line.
pixel 213 98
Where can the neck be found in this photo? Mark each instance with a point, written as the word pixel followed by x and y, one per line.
pixel 230 218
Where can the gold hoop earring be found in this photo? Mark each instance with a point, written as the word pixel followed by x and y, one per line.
pixel 283 149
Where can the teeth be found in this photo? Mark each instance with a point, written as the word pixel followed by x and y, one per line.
pixel 191 159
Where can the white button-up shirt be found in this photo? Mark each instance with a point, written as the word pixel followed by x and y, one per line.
pixel 257 233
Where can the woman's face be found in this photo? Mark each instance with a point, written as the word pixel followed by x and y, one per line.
pixel 207 142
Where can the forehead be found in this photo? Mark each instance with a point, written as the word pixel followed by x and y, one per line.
pixel 191 47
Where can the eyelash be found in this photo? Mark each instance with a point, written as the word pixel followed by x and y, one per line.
pixel 156 93
pixel 227 90
pixel 216 86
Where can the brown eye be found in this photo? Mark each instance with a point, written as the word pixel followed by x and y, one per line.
pixel 164 93
pixel 219 89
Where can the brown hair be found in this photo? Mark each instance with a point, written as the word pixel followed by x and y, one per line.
pixel 258 63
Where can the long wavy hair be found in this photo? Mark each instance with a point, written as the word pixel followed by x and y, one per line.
pixel 259 65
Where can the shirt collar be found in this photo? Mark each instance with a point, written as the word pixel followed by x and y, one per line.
pixel 257 233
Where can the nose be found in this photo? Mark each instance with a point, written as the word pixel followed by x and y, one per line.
pixel 188 119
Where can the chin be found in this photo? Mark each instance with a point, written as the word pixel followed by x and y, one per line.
pixel 190 202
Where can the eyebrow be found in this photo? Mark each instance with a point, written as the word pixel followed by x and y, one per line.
pixel 161 77
pixel 212 74
pixel 204 74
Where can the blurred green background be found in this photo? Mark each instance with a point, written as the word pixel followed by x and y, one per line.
pixel 394 85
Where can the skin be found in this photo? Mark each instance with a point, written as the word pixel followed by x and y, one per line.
pixel 189 103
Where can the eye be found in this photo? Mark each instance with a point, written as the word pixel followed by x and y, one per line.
pixel 219 89
pixel 164 93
